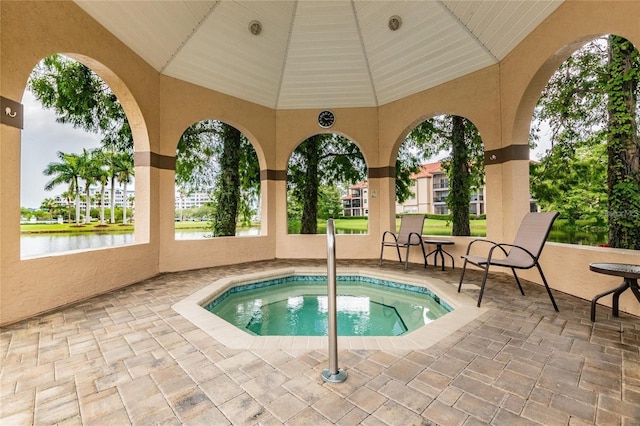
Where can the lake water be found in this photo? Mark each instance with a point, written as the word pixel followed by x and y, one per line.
pixel 34 245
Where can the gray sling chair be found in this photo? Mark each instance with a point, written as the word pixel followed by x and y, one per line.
pixel 410 234
pixel 522 254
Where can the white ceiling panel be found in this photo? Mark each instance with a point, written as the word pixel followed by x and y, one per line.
pixel 501 25
pixel 320 53
pixel 154 30
pixel 325 64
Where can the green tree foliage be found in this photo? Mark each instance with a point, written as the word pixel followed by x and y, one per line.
pixel 81 98
pixel 464 165
pixel 226 194
pixel 572 182
pixel 329 202
pixel 124 171
pixel 590 105
pixel 408 163
pixel 212 154
pixel 623 144
pixel 66 171
pixel 325 159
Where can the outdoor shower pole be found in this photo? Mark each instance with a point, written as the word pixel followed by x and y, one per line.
pixel 332 374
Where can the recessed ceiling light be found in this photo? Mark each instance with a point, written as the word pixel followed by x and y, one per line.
pixel 255 27
pixel 395 22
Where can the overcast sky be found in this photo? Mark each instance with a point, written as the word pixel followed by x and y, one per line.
pixel 43 137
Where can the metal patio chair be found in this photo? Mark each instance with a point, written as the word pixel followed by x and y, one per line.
pixel 522 254
pixel 410 234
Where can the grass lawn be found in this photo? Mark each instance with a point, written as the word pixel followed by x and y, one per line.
pixel 72 228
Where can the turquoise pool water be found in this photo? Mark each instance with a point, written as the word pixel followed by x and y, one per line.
pixel 297 306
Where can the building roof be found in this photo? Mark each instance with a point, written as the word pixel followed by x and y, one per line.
pixel 320 54
pixel 427 170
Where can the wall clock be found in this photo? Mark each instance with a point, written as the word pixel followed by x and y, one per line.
pixel 326 119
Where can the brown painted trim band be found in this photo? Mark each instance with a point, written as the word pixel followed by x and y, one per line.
pixel 151 159
pixel 269 174
pixel 11 113
pixel 381 172
pixel 373 173
pixel 508 153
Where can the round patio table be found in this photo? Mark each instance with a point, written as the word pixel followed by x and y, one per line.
pixel 438 250
pixel 629 273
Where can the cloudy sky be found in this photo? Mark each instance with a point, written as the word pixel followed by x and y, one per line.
pixel 42 138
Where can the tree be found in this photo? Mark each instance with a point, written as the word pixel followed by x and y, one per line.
pixel 464 165
pixel 214 154
pixel 571 182
pixel 67 171
pixel 623 144
pixel 590 104
pixel 329 202
pixel 124 168
pixel 88 172
pixel 69 197
pixel 321 159
pixel 227 189
pixel 81 98
pixel 102 173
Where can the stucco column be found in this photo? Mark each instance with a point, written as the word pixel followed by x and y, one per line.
pixel 507 186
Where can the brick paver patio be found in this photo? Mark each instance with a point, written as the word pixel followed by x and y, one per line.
pixel 127 358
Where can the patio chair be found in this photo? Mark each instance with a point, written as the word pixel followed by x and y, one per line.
pixel 522 254
pixel 410 234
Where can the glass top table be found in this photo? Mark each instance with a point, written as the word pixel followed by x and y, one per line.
pixel 438 250
pixel 630 274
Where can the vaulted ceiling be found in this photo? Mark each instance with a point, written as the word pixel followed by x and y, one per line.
pixel 320 54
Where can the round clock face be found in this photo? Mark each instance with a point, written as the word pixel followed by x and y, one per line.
pixel 326 119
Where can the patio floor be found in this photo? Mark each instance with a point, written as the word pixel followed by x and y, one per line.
pixel 127 358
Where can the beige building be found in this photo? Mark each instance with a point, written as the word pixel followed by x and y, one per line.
pixel 268 86
pixel 431 188
pixel 356 202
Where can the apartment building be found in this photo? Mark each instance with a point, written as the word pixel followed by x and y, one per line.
pixel 95 197
pixel 356 202
pixel 430 188
pixel 192 200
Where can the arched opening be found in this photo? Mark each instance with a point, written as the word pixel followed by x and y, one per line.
pixel 217 183
pixel 440 173
pixel 77 162
pixel 584 134
pixel 326 178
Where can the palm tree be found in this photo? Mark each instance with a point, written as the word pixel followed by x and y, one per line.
pixel 66 171
pixel 48 205
pixel 110 161
pixel 68 196
pixel 124 168
pixel 88 172
pixel 100 167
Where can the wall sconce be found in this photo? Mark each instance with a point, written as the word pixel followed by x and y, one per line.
pixel 10 113
pixel 492 157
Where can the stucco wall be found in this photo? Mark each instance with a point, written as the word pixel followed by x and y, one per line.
pixel 30 32
pixel 498 99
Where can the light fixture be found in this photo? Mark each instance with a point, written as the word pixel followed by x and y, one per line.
pixel 395 22
pixel 255 27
